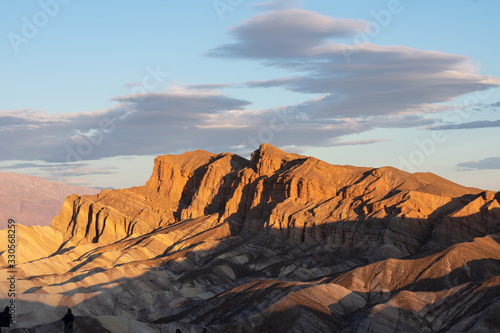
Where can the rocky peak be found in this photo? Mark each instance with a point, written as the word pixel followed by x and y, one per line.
pixel 268 159
pixel 172 169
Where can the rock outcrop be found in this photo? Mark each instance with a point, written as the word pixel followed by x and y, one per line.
pixel 278 243
pixel 289 195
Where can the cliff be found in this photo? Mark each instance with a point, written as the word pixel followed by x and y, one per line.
pixel 290 196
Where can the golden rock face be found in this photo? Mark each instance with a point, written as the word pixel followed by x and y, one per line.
pixel 288 195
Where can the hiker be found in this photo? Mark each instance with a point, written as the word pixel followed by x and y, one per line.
pixel 68 322
pixel 5 319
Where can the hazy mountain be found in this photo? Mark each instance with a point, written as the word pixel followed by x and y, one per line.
pixel 278 243
pixel 33 200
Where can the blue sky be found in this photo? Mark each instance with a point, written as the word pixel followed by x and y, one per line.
pixel 92 91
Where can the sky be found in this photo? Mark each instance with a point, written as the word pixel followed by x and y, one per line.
pixel 91 91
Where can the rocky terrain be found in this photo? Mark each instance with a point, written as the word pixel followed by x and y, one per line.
pixel 278 243
pixel 33 200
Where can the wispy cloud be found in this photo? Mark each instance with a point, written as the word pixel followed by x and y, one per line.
pixel 133 84
pixel 495 105
pixel 469 125
pixel 357 142
pixel 490 163
pixel 69 173
pixel 211 86
pixel 43 165
pixel 278 4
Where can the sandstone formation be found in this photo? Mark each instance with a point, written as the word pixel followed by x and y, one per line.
pixel 33 200
pixel 278 243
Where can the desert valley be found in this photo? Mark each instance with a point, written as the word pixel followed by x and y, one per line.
pixel 278 243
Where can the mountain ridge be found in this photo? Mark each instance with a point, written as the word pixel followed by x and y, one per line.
pixel 246 192
pixel 33 200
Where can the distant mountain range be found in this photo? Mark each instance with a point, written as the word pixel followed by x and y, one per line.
pixel 33 200
pixel 278 243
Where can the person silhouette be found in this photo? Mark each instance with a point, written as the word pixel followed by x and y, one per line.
pixel 5 319
pixel 68 321
pixel 178 331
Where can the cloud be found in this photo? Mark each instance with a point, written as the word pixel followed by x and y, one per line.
pixel 71 171
pixel 210 86
pixel 160 123
pixel 73 181
pixel 193 103
pixel 490 163
pixel 469 125
pixel 139 124
pixel 495 105
pixel 68 173
pixel 358 142
pixel 278 4
pixel 285 34
pixel 42 165
pixel 133 84
pixel 354 80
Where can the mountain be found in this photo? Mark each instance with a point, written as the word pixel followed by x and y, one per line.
pixel 278 243
pixel 33 200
